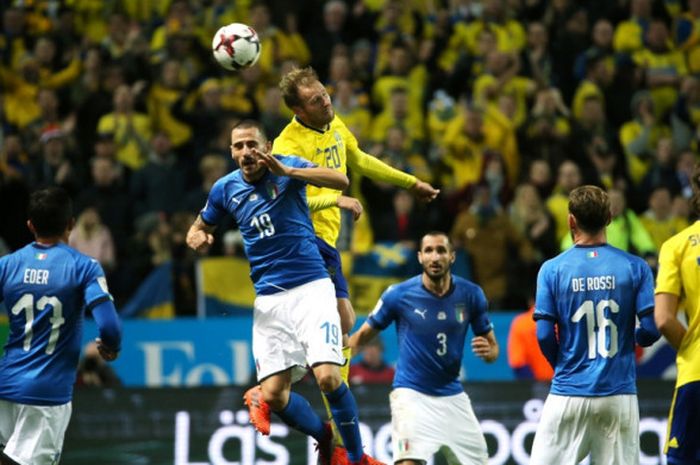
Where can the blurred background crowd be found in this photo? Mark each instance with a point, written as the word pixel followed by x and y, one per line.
pixel 505 105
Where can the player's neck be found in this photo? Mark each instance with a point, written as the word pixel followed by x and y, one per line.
pixel 582 238
pixel 48 241
pixel 438 287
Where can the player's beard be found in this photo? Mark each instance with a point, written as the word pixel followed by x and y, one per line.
pixel 436 274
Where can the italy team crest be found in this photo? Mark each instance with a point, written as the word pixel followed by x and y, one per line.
pixel 460 313
pixel 273 191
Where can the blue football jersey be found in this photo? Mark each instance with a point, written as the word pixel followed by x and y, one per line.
pixel 594 294
pixel 273 218
pixel 431 332
pixel 46 290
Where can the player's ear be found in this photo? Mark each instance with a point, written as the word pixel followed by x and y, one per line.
pixel 571 221
pixel 453 257
pixel 30 226
pixel 268 146
pixel 420 257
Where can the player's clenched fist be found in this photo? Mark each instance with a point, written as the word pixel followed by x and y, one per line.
pixel 199 240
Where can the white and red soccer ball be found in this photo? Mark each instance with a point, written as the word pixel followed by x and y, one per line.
pixel 236 46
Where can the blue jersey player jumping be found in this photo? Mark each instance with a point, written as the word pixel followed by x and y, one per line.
pixel 433 312
pixel 295 319
pixel 46 287
pixel 592 294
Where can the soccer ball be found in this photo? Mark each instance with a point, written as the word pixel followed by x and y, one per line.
pixel 236 46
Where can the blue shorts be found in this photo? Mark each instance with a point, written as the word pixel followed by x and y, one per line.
pixel 331 257
pixel 682 443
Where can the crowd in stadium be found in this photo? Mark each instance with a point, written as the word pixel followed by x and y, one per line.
pixel 505 105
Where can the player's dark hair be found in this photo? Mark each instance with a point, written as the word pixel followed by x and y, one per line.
pixel 436 233
pixel 50 210
pixel 695 182
pixel 250 123
pixel 590 205
pixel 290 83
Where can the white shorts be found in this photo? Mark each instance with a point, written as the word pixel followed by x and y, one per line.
pixel 573 427
pixel 33 434
pixel 422 425
pixel 297 327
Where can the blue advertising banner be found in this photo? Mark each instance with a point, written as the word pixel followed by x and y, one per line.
pixel 218 352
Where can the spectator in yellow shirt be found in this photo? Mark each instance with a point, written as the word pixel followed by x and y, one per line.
pixel 131 129
pixel 629 34
pixel 659 220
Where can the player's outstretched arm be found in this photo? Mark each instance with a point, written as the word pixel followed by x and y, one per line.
pixel 199 236
pixel 377 170
pixel 665 316
pixel 318 176
pixel 486 347
pixel 361 337
pixel 323 201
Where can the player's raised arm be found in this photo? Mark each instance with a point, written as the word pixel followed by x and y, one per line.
pixel 200 235
pixel 377 170
pixel 317 175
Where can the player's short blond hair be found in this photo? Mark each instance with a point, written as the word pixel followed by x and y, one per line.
pixel 290 83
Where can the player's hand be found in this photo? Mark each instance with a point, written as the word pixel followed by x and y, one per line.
pixel 350 204
pixel 106 353
pixel 424 191
pixel 273 164
pixel 199 240
pixel 483 349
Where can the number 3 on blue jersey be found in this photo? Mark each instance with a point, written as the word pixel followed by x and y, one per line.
pixel 331 332
pixel 264 225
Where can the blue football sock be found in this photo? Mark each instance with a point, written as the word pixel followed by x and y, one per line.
pixel 299 415
pixel 344 410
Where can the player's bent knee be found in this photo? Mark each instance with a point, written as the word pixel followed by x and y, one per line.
pixel 328 377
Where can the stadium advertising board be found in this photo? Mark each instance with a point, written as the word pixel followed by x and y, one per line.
pixel 209 425
pixel 218 351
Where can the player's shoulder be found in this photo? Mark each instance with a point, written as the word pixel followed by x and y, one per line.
pixel 465 285
pixel 682 238
pixel 621 256
pixel 232 178
pixel 404 287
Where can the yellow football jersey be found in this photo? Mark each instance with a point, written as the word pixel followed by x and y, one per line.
pixel 335 148
pixel 679 274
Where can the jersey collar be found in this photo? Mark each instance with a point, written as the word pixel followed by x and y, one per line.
pixel 298 120
pixel 447 294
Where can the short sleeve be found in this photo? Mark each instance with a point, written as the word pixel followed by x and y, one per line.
pixel 214 210
pixel 645 291
pixel 545 304
pixel 96 289
pixel 479 319
pixel 668 279
pixel 384 312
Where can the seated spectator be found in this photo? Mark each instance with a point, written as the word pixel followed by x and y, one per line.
pixel 372 369
pixel 524 354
